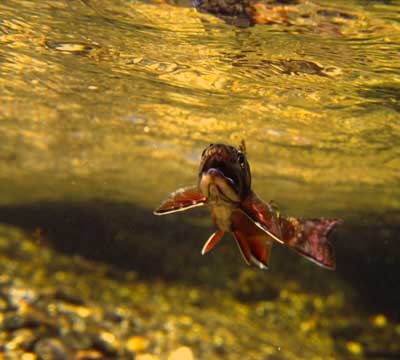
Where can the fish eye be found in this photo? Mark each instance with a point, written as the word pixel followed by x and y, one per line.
pixel 241 159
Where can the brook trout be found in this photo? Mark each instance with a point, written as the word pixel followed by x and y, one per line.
pixel 224 183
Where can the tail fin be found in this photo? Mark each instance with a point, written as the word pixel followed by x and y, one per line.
pixel 309 238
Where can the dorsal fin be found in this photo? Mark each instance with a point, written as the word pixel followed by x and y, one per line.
pixel 242 147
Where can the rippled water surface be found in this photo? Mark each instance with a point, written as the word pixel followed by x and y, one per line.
pixel 105 107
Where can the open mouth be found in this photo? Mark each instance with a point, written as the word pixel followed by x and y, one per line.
pixel 215 185
pixel 216 173
pixel 220 168
pixel 218 178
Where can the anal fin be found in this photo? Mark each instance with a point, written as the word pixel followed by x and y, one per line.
pixel 254 244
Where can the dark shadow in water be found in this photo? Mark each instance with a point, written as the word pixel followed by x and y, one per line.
pixel 168 247
pixel 120 234
pixel 368 254
pixel 382 96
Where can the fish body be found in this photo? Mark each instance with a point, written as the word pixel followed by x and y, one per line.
pixel 224 183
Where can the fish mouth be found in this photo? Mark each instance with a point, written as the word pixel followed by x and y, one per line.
pixel 214 184
pixel 221 175
pixel 225 167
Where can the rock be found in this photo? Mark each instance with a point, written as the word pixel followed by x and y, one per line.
pixel 3 304
pixel 88 355
pixel 21 339
pixel 4 279
pixel 27 316
pixel 113 316
pixel 107 343
pixel 28 356
pixel 11 355
pixel 18 295
pixel 379 321
pixel 146 357
pixel 14 320
pixel 136 344
pixel 68 296
pixel 78 340
pixel 181 353
pixel 50 349
pixel 354 348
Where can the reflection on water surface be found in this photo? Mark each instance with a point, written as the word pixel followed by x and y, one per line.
pixel 105 108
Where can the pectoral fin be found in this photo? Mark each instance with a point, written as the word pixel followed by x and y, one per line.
pixel 263 215
pixel 212 241
pixel 254 243
pixel 181 200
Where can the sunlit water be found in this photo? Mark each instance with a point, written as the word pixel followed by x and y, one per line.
pixel 113 101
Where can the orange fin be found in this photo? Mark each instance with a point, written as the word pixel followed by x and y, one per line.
pixel 180 200
pixel 212 241
pixel 263 215
pixel 309 238
pixel 254 243
pixel 243 246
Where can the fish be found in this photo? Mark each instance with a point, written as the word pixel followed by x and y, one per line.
pixel 224 184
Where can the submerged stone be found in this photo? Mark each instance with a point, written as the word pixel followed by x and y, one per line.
pixel 181 353
pixel 50 349
pixel 88 355
pixel 107 343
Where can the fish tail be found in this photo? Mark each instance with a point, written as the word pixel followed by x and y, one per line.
pixel 309 238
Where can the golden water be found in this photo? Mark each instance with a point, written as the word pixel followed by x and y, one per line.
pixel 118 98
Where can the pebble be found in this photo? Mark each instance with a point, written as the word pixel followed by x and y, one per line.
pixel 88 355
pixel 379 321
pixel 354 348
pixel 22 339
pixel 67 296
pixel 146 357
pixel 181 353
pixel 136 344
pixel 17 295
pixel 28 356
pixel 107 343
pixel 51 349
pixel 13 321
pixel 3 304
pixel 80 311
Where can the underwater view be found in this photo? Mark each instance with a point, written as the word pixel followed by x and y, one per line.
pixel 107 107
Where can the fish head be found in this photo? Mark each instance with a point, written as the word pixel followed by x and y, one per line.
pixel 224 172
